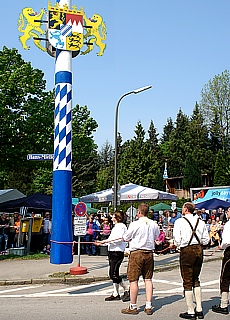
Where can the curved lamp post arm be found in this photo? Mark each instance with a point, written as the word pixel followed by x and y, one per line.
pixel 115 140
pixel 115 150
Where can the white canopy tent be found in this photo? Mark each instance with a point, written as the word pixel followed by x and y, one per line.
pixel 10 194
pixel 129 193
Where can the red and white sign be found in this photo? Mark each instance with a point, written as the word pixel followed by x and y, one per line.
pixel 80 209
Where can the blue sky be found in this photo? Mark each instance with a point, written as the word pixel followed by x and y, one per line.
pixel 176 46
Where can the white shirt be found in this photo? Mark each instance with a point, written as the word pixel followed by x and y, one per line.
pixel 117 233
pixel 182 231
pixel 226 236
pixel 142 234
pixel 46 225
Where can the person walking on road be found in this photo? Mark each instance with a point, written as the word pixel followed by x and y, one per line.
pixel 116 248
pixel 141 235
pixel 190 234
pixel 225 269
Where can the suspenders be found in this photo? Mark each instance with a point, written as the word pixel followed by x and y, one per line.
pixel 193 231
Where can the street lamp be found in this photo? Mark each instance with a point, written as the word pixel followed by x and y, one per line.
pixel 115 144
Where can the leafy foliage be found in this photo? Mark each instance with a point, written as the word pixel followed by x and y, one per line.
pixel 192 174
pixel 85 158
pixel 221 170
pixel 106 170
pixel 26 117
pixel 215 104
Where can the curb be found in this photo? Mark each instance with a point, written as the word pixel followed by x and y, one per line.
pixel 84 280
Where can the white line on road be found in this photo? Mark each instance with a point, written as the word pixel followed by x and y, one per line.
pixel 20 289
pixel 69 291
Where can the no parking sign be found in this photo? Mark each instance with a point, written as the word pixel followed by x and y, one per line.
pixel 80 209
pixel 80 219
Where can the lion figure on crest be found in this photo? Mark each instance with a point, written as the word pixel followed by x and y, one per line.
pixel 31 28
pixel 96 33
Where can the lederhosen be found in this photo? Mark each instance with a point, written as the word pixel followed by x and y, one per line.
pixel 191 259
pixel 225 271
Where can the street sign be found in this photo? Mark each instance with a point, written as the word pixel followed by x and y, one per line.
pixel 79 226
pixel 40 156
pixel 80 209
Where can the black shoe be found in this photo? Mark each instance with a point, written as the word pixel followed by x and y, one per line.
pixel 112 298
pixel 186 315
pixel 218 309
pixel 126 296
pixel 200 315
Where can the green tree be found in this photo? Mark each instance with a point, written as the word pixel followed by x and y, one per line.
pixel 26 119
pixel 167 130
pixel 215 105
pixel 153 160
pixel 192 173
pixel 85 158
pixel 221 170
pixel 198 142
pixel 131 167
pixel 177 146
pixel 106 154
pixel 106 170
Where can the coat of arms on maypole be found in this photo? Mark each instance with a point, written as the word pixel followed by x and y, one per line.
pixel 66 29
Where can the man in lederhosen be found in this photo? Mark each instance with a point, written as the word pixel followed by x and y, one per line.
pixel 225 269
pixel 189 234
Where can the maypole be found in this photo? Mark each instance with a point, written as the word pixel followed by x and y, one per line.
pixel 65 38
pixel 62 234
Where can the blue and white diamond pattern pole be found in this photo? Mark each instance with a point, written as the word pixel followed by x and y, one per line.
pixel 62 234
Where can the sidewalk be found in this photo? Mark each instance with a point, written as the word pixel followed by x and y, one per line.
pixel 18 271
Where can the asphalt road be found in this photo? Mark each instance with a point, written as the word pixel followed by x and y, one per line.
pixel 83 302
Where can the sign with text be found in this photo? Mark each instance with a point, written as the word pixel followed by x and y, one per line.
pixel 79 226
pixel 40 156
pixel 207 193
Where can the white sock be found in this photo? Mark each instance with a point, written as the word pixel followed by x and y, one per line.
pixel 189 301
pixel 132 306
pixel 148 305
pixel 124 285
pixel 115 289
pixel 224 300
pixel 197 293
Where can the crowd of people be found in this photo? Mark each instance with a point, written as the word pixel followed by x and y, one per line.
pixel 99 226
pixel 10 236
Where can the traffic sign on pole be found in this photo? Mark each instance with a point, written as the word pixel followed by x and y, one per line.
pixel 80 209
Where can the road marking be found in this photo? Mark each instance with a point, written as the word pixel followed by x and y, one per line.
pixel 101 289
pixel 20 289
pixel 167 282
pixel 209 283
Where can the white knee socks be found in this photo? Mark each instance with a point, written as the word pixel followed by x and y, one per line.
pixel 189 301
pixel 224 300
pixel 197 293
pixel 115 289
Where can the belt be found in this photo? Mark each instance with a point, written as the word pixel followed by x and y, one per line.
pixel 143 250
pixel 191 245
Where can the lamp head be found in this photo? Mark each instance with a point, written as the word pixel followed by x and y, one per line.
pixel 142 89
